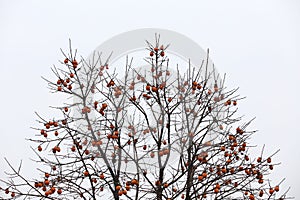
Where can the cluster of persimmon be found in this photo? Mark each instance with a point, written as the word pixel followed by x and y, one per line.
pixel 102 109
pixel 121 191
pixel 102 68
pixel 114 135
pixel 131 86
pixel 12 194
pixel 202 157
pixel 48 186
pixel 146 131
pixel 79 146
pixel 195 86
pixel 128 185
pixel 157 51
pixel 51 123
pixel 132 131
pixel 141 78
pixel 251 170
pixel 48 126
pixel 202 176
pixel 228 102
pixel 96 143
pixel 74 62
pixel 262 192
pixel 56 149
pixel 67 83
pixel 85 110
pixel 133 98
pixel 117 92
pixel 217 188
pixel 163 152
pixel 64 83
pixel 154 89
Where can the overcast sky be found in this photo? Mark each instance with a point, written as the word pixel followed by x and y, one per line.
pixel 256 43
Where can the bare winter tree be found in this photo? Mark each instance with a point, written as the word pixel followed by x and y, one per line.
pixel 155 133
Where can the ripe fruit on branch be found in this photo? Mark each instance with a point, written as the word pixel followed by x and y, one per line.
pixel 127 187
pixel 234 103
pixel 56 149
pixel 231 137
pixel 134 182
pixel 227 103
pixel 46 182
pixel 118 187
pixel 152 154
pixel 110 83
pixel 132 98
pixel 259 159
pixel 59 191
pixel 85 173
pixel 75 64
pixel 157 183
pixel 13 194
pixel 148 87
pixel 261 193
pixel 6 191
pixel 40 148
pixel 73 148
pixel 200 178
pixel 239 130
pixel 209 92
pixel 154 89
pixel 166 151
pixel 101 176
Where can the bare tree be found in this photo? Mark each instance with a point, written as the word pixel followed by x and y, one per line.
pixel 155 133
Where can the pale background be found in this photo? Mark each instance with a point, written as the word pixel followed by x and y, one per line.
pixel 255 42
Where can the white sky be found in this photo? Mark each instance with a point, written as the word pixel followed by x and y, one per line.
pixel 255 42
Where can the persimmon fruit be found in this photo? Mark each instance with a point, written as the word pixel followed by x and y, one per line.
pixel 118 187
